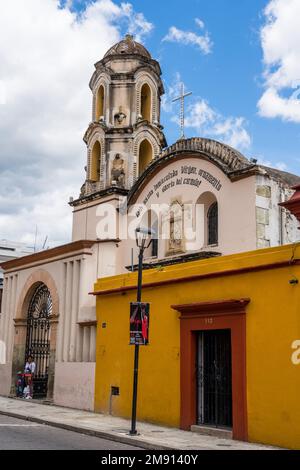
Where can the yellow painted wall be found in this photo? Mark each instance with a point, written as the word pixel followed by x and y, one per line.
pixel 273 323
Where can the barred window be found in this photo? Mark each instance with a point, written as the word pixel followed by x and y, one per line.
pixel 212 222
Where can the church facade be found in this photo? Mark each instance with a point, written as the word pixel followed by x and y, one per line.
pixel 202 199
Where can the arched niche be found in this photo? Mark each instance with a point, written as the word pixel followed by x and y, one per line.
pixel 95 162
pixel 146 98
pixel 99 103
pixel 145 155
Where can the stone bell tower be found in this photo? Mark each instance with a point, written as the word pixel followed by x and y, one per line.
pixel 125 134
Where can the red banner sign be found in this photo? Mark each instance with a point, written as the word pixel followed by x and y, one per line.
pixel 139 323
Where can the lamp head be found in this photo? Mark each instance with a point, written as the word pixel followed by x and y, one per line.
pixel 144 236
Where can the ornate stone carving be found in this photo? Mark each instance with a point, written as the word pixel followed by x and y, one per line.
pixel 128 46
pixel 229 158
pixel 118 172
pixel 176 228
pixel 120 116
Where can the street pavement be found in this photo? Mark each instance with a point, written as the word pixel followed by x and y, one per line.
pixel 150 436
pixel 17 434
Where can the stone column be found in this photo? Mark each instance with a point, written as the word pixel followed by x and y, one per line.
pixel 93 344
pixel 60 340
pixel 67 312
pixel 74 310
pixel 20 330
pixel 86 344
pixel 51 369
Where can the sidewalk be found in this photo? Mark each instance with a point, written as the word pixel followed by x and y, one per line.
pixel 116 429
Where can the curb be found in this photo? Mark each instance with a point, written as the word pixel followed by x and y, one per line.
pixel 110 436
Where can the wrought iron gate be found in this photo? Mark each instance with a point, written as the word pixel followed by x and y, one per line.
pixel 214 378
pixel 38 338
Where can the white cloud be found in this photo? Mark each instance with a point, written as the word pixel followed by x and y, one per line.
pixel 278 165
pixel 47 55
pixel 172 91
pixel 203 42
pixel 2 94
pixel 199 23
pixel 207 121
pixel 280 39
pixel 137 23
pixel 210 123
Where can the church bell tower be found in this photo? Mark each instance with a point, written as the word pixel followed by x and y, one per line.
pixel 125 134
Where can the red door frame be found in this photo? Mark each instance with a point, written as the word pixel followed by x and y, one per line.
pixel 219 315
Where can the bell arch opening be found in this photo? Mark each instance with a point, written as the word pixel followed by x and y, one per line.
pixel 100 103
pixel 95 162
pixel 145 155
pixel 146 97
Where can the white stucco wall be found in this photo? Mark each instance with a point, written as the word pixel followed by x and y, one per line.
pixel 236 201
pixel 236 205
pixel 74 384
pixel 74 277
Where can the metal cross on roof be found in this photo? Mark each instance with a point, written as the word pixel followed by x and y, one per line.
pixel 181 98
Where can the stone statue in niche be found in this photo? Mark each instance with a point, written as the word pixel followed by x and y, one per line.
pixel 118 172
pixel 176 228
pixel 175 234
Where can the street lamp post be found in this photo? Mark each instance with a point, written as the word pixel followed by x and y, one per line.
pixel 143 241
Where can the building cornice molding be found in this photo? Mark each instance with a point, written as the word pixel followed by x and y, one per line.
pixel 94 126
pixel 77 247
pixel 212 308
pixel 199 277
pixel 99 195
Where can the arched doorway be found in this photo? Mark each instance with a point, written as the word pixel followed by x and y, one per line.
pixel 38 337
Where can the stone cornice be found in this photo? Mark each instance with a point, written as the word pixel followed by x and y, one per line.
pixel 103 67
pixel 147 126
pixel 99 194
pixel 57 252
pixel 227 157
pixel 93 126
pixel 111 131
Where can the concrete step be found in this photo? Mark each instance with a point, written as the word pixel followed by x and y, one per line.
pixel 222 433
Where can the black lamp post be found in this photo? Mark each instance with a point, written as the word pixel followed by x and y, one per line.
pixel 143 241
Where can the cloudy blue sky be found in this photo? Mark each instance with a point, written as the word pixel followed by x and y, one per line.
pixel 241 60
